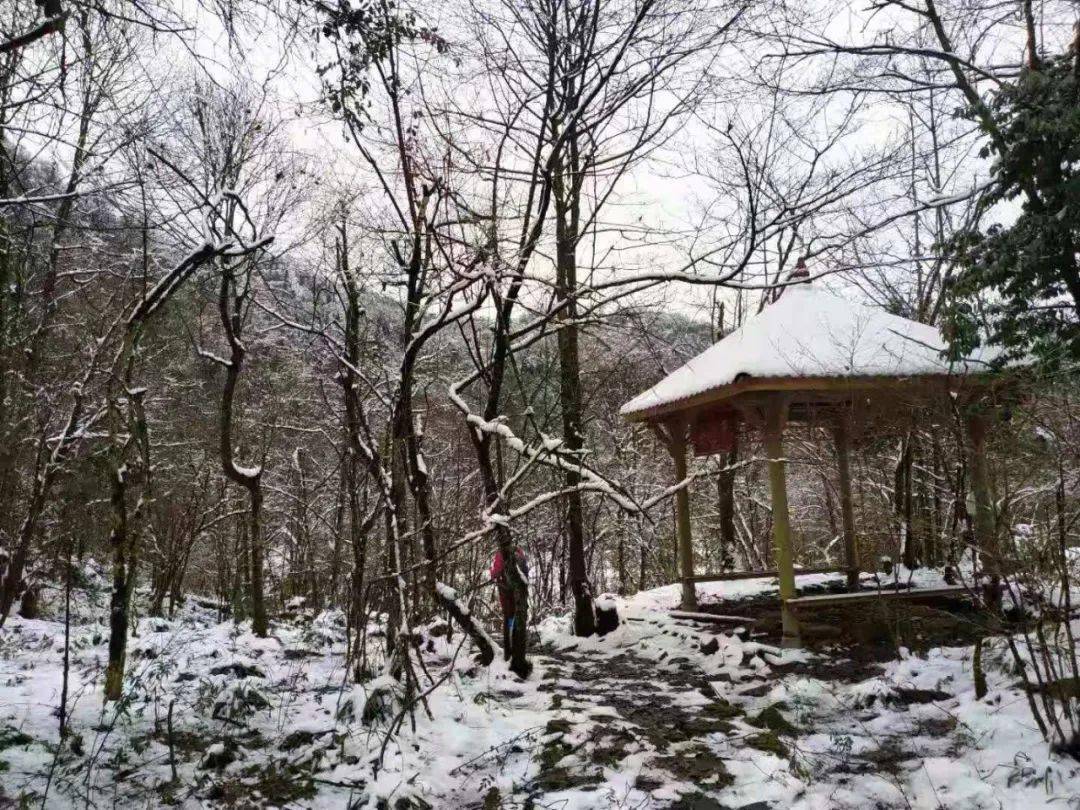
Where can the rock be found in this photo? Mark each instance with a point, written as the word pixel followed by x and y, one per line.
pixel 29 607
pixel 722 710
pixel 647 784
pixel 238 669
pixel 239 699
pixel 907 697
pixel 439 629
pixel 607 617
pixel 218 756
pixel 756 691
pixel 711 646
pixel 300 738
pixel 698 801
pixel 769 742
pixel 772 719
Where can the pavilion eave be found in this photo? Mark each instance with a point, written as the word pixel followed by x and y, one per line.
pixel 797 390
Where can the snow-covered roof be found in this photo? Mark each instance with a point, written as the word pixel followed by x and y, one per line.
pixel 809 333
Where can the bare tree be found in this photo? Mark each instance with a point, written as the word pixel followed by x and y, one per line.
pixel 439 275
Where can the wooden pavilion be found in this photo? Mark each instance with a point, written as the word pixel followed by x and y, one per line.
pixel 812 356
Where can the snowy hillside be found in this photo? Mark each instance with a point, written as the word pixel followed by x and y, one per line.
pixel 659 713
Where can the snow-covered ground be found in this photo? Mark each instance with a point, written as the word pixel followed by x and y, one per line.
pixel 659 713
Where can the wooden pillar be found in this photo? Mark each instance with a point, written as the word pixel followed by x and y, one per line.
pixel 677 447
pixel 984 523
pixel 775 418
pixel 842 439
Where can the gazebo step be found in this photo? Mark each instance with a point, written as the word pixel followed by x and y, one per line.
pixel 730 576
pixel 833 599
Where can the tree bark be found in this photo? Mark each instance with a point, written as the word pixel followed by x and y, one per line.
pixel 684 531
pixel 842 440
pixel 230 310
pixel 725 483
pixel 566 202
pixel 126 530
pixel 985 521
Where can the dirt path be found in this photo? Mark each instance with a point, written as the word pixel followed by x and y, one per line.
pixel 650 726
pixel 643 725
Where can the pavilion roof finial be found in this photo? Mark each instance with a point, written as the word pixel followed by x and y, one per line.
pixel 800 270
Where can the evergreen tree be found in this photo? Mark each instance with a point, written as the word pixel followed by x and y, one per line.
pixel 1025 275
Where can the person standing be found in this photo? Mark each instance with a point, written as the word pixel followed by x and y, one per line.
pixel 506 592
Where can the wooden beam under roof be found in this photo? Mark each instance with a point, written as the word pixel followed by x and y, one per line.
pixel 801 390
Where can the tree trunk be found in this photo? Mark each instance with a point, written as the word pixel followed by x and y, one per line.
pixel 260 624
pixel 902 503
pixel 985 522
pixel 725 483
pixel 230 309
pixel 124 539
pixel 44 474
pixel 842 441
pixel 684 532
pixel 118 618
pixel 570 404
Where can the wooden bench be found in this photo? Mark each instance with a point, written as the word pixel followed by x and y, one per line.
pixel 709 618
pixel 892 594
